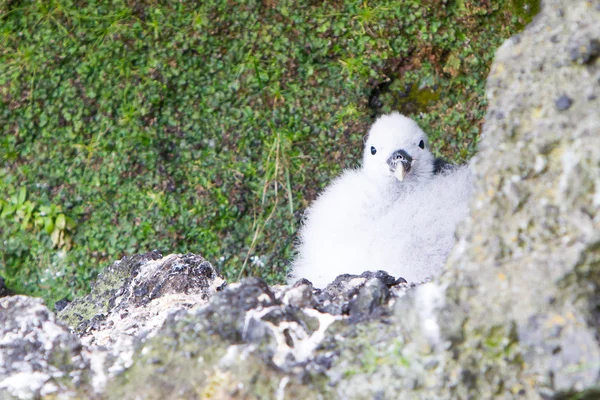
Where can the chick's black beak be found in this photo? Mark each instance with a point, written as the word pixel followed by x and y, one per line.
pixel 400 156
pixel 400 163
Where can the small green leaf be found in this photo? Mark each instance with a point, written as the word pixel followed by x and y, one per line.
pixel 8 210
pixel 38 221
pixel 22 195
pixel 71 224
pixel 60 222
pixel 48 225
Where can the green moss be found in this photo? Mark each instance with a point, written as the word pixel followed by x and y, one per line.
pixel 500 343
pixel 409 99
pixel 524 10
pixel 208 127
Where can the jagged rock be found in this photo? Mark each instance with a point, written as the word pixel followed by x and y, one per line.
pixel 252 340
pixel 129 302
pixel 38 356
pixel 61 304
pixel 135 294
pixel 347 294
pixel 248 339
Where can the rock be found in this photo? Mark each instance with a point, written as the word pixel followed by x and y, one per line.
pixel 371 296
pixel 563 103
pixel 248 339
pixel 129 302
pixel 61 304
pixel 524 278
pixel 254 340
pixel 136 293
pixel 38 356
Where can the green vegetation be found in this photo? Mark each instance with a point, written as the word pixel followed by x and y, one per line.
pixel 208 127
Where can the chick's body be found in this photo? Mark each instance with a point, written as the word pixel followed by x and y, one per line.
pixel 413 239
pixel 339 226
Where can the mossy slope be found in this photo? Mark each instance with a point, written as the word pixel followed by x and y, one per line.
pixel 208 127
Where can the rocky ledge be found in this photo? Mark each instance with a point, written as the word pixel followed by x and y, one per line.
pixel 515 315
pixel 164 327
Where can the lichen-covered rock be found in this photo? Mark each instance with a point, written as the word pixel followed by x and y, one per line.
pixel 254 341
pixel 248 341
pixel 137 293
pixel 524 279
pixel 38 356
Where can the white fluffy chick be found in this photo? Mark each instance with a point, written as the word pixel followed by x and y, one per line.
pixel 392 214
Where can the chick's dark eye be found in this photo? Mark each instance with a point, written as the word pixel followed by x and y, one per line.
pixel 373 150
pixel 421 144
